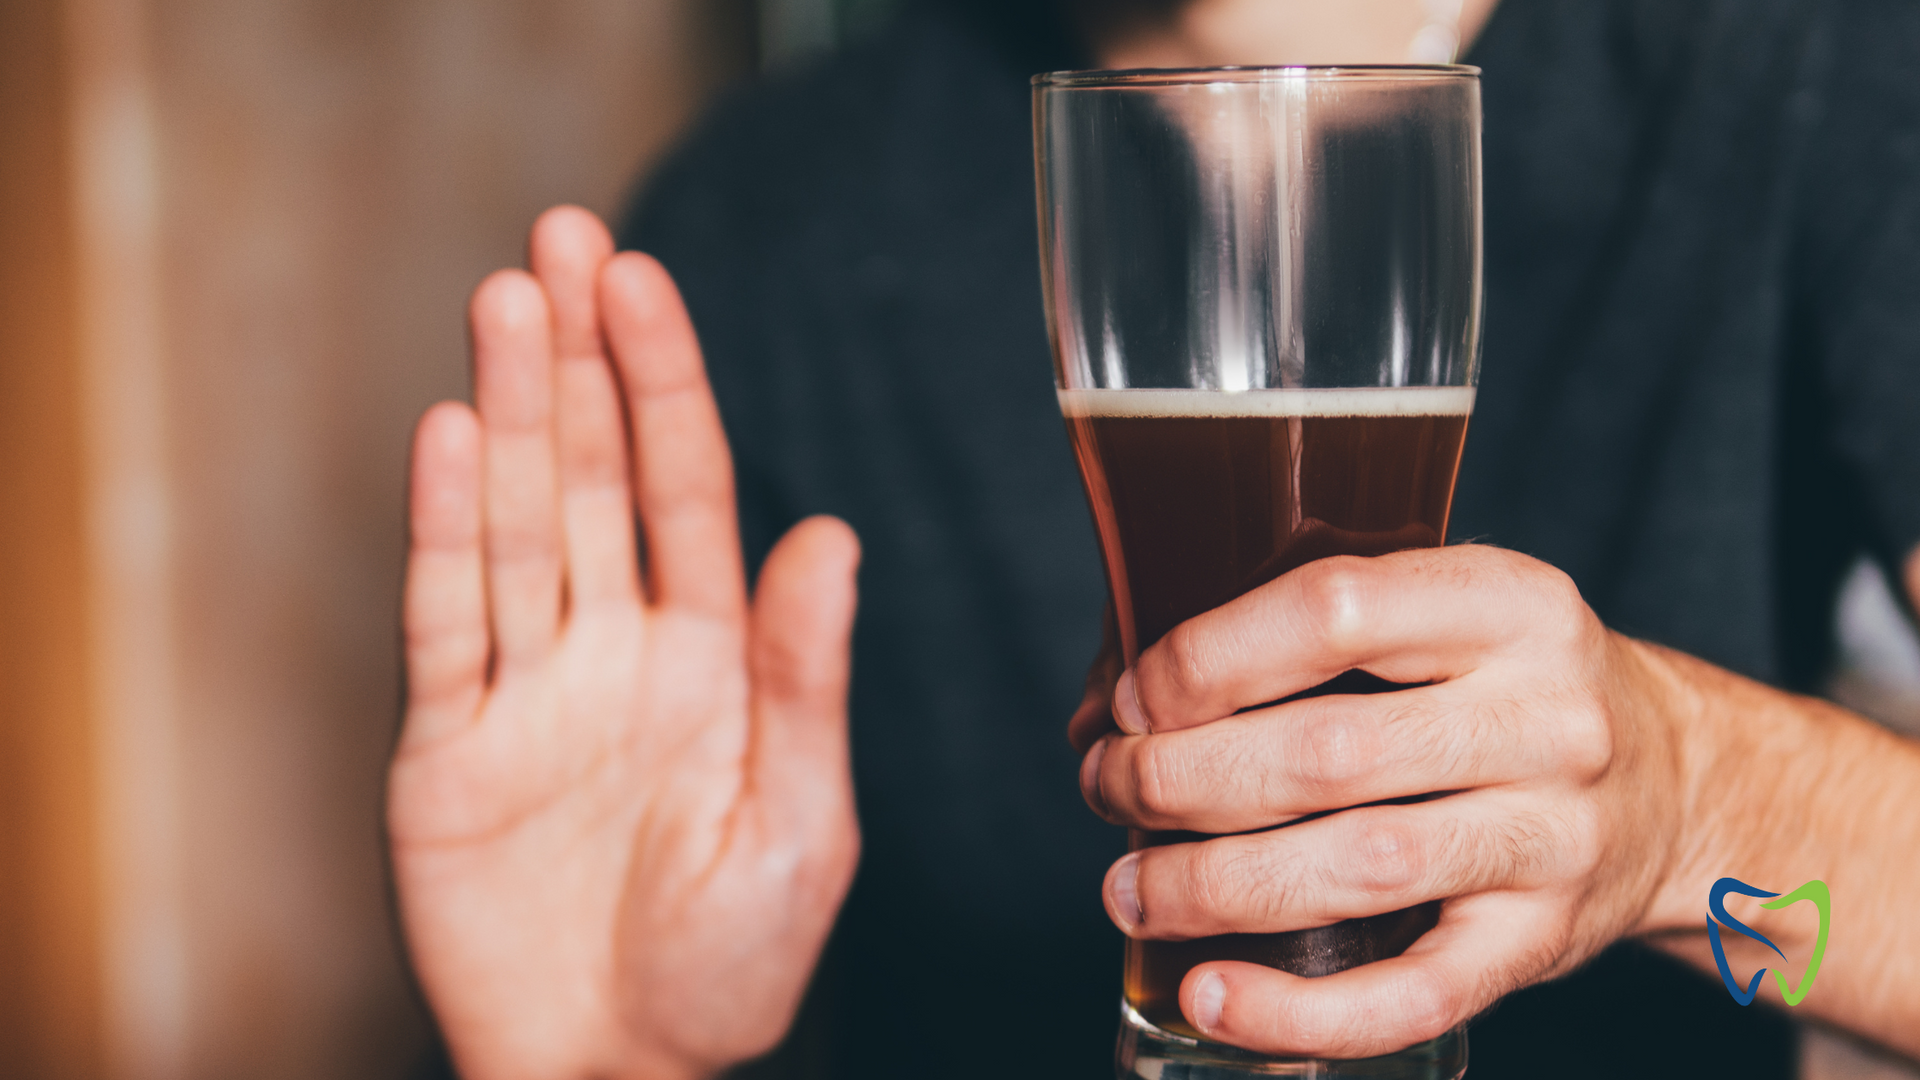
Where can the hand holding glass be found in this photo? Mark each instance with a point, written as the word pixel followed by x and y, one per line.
pixel 1264 291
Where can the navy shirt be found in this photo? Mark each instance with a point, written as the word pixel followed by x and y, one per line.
pixel 1701 398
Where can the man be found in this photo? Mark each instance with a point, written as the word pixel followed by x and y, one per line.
pixel 622 817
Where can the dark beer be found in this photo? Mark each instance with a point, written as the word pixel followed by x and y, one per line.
pixel 1200 496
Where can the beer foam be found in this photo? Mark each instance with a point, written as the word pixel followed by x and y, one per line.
pixel 1368 401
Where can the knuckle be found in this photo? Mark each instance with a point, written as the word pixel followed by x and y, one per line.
pixel 1187 668
pixel 1390 858
pixel 1214 877
pixel 1432 1002
pixel 1154 773
pixel 1561 586
pixel 1570 621
pixel 1335 752
pixel 1333 596
pixel 1233 881
pixel 1587 737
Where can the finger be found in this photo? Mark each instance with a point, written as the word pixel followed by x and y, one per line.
pixel 513 386
pixel 800 656
pixel 1411 617
pixel 1363 862
pixel 1270 766
pixel 683 472
pixel 1094 716
pixel 445 606
pixel 569 247
pixel 1484 948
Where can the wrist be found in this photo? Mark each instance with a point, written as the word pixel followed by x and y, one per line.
pixel 1686 713
pixel 1744 750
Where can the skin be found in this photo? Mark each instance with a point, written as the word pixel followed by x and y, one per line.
pixel 1602 784
pixel 1598 787
pixel 621 810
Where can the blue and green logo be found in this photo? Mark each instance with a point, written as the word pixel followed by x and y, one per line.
pixel 1815 891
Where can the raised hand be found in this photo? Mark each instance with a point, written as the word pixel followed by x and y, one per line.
pixel 621 811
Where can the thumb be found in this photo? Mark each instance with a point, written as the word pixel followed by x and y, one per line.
pixel 800 659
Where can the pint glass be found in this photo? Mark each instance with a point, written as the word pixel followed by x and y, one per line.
pixel 1264 292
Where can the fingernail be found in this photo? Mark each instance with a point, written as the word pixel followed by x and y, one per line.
pixel 1126 892
pixel 1090 777
pixel 1127 712
pixel 1209 997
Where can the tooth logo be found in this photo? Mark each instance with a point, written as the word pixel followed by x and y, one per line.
pixel 1815 891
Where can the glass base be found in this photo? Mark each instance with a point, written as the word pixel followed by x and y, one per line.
pixel 1147 1052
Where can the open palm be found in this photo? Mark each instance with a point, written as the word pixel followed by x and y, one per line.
pixel 621 813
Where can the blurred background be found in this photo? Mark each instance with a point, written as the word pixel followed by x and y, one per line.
pixel 235 244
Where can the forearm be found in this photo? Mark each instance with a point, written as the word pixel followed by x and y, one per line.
pixel 1786 789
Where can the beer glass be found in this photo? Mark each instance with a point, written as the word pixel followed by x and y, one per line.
pixel 1263 287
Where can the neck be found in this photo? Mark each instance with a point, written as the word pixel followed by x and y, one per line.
pixel 1209 33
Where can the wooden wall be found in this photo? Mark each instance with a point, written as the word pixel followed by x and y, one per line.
pixel 49 959
pixel 235 243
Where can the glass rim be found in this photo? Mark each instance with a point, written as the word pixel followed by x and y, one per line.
pixel 1125 78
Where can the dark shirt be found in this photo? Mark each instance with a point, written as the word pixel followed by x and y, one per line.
pixel 1701 398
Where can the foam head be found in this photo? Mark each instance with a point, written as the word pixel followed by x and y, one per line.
pixel 1369 401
